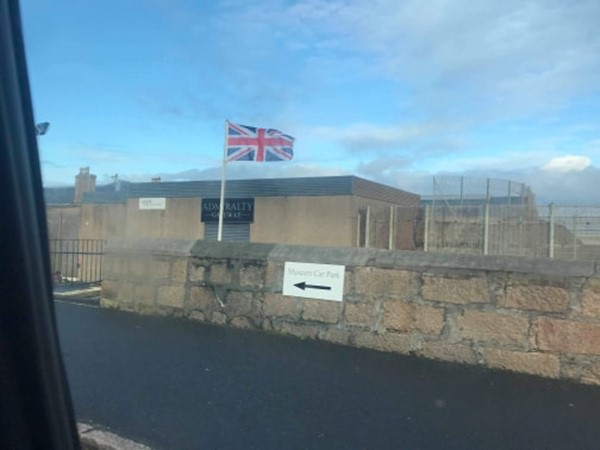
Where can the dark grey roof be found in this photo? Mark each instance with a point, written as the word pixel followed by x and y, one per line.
pixel 59 195
pixel 377 191
pixel 111 187
pixel 105 197
pixel 267 187
pixel 109 193
pixel 105 193
pixel 276 187
pixel 262 187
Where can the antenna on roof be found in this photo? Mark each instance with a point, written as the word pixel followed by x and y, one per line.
pixel 115 179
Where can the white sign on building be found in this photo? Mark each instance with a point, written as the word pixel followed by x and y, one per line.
pixel 321 281
pixel 153 203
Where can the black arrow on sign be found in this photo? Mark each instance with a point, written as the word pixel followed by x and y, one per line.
pixel 305 286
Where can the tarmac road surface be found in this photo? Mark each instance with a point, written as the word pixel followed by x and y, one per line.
pixel 177 384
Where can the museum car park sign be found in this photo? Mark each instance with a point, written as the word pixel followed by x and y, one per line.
pixel 319 281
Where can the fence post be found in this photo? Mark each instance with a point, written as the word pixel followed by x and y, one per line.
pixel 486 228
pixel 391 229
pixel 367 227
pixel 358 229
pixel 551 232
pixel 574 236
pixel 426 230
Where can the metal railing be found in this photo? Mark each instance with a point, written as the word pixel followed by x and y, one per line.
pixel 76 261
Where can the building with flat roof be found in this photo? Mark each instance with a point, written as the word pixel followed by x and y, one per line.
pixel 332 211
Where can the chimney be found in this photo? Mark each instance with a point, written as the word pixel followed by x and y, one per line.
pixel 84 182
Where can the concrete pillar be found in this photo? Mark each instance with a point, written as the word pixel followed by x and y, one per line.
pixel 486 228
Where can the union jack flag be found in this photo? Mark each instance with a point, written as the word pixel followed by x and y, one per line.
pixel 246 143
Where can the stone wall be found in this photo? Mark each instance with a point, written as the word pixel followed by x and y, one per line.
pixel 528 315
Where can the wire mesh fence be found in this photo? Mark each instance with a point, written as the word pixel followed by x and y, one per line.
pixel 461 191
pixel 576 231
pixel 561 232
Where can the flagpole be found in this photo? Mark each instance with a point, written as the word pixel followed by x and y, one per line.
pixel 223 177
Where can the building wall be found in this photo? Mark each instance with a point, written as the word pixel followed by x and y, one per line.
pixel 63 222
pixel 536 316
pixel 307 220
pixel 304 220
pixel 102 221
pixel 180 219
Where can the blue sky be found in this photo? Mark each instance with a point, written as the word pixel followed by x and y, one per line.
pixel 392 91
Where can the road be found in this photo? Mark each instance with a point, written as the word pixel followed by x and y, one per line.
pixel 177 384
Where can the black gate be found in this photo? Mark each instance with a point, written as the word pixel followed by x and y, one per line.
pixel 76 261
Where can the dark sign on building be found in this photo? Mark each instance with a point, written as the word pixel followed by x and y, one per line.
pixel 237 210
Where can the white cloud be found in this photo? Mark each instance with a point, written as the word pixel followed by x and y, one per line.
pixel 567 163
pixel 573 187
pixel 504 57
pixel 563 188
pixel 100 153
pixel 451 61
pixel 502 161
pixel 361 136
pixel 242 170
pixel 518 56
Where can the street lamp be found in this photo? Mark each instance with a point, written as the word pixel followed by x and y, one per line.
pixel 41 128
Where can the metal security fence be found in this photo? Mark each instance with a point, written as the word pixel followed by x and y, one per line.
pixel 463 191
pixel 485 229
pixel 561 232
pixel 76 260
pixel 390 227
pixel 574 231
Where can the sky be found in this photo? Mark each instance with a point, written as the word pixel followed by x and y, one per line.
pixel 394 91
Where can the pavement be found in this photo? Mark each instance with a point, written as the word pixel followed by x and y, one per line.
pixel 84 294
pixel 96 438
pixel 176 384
